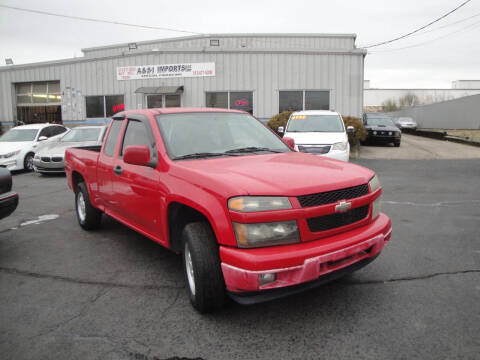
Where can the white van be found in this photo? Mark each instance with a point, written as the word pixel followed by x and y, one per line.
pixel 319 132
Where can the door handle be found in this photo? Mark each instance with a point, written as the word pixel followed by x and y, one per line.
pixel 118 170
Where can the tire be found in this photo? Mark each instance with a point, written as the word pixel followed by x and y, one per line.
pixel 28 162
pixel 201 264
pixel 88 217
pixel 397 144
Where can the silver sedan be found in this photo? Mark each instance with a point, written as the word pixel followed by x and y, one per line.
pixel 50 157
pixel 405 123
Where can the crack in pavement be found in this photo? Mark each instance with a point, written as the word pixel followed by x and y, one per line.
pixel 410 278
pixel 88 282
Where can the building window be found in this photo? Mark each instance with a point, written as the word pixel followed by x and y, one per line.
pixel 303 100
pixel 163 100
pixel 42 92
pixel 214 42
pixel 239 100
pixel 104 105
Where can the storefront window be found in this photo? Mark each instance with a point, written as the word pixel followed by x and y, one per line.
pixel 217 100
pixel 95 106
pixel 303 100
pixel 241 100
pixel 317 100
pixel 154 101
pixel 290 101
pixel 104 106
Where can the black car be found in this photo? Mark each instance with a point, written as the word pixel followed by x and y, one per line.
pixel 381 129
pixel 8 198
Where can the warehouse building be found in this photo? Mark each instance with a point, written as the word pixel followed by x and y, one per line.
pixel 260 73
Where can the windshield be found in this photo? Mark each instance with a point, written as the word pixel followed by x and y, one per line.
pixel 17 135
pixel 380 121
pixel 315 123
pixel 405 119
pixel 79 135
pixel 216 133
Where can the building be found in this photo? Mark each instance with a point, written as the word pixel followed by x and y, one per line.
pixel 374 98
pixel 259 73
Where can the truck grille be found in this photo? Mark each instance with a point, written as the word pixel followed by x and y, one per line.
pixel 329 197
pixel 327 222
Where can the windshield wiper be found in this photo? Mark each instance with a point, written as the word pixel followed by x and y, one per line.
pixel 200 155
pixel 251 149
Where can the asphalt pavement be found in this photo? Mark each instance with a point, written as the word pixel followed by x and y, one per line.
pixel 113 294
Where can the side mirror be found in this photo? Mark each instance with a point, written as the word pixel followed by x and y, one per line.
pixel 290 142
pixel 350 129
pixel 42 138
pixel 137 155
pixel 280 130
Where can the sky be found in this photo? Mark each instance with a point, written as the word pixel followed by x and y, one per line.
pixel 448 50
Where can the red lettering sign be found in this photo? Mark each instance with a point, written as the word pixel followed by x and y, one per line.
pixel 117 108
pixel 242 102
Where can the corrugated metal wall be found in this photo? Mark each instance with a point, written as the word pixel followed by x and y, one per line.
pixel 462 113
pixel 263 73
pixel 324 42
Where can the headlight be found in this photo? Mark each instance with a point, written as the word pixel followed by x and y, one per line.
pixel 10 154
pixel 374 183
pixel 266 234
pixel 342 146
pixel 258 203
pixel 376 207
pixel 374 133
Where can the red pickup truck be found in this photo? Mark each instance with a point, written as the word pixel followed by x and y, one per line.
pixel 252 218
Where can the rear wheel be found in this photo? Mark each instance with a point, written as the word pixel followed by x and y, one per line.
pixel 28 162
pixel 201 262
pixel 88 216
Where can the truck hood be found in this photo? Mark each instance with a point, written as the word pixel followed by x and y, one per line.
pixel 286 174
pixel 7 147
pixel 317 138
pixel 58 147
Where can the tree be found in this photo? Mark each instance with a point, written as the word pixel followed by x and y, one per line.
pixel 389 105
pixel 408 100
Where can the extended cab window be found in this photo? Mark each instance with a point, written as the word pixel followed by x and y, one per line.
pixel 136 134
pixel 112 137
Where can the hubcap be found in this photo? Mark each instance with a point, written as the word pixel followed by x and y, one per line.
pixel 189 268
pixel 82 213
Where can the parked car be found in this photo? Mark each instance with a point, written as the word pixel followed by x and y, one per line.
pixel 19 144
pixel 50 157
pixel 381 129
pixel 319 132
pixel 8 198
pixel 405 123
pixel 252 217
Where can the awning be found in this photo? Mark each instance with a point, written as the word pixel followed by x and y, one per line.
pixel 160 90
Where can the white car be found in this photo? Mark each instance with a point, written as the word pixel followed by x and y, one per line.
pixel 19 144
pixel 319 132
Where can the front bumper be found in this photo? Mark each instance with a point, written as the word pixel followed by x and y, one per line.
pixel 49 166
pixel 303 262
pixel 338 155
pixel 12 164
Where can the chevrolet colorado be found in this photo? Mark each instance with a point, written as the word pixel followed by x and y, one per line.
pixel 251 217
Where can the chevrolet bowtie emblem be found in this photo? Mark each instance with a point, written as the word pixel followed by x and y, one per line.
pixel 342 206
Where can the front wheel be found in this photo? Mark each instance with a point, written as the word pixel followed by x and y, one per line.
pixel 88 216
pixel 203 273
pixel 397 144
pixel 28 162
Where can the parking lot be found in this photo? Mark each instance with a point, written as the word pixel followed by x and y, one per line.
pixel 113 294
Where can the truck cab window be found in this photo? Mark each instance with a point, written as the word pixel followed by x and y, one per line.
pixel 112 137
pixel 136 134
